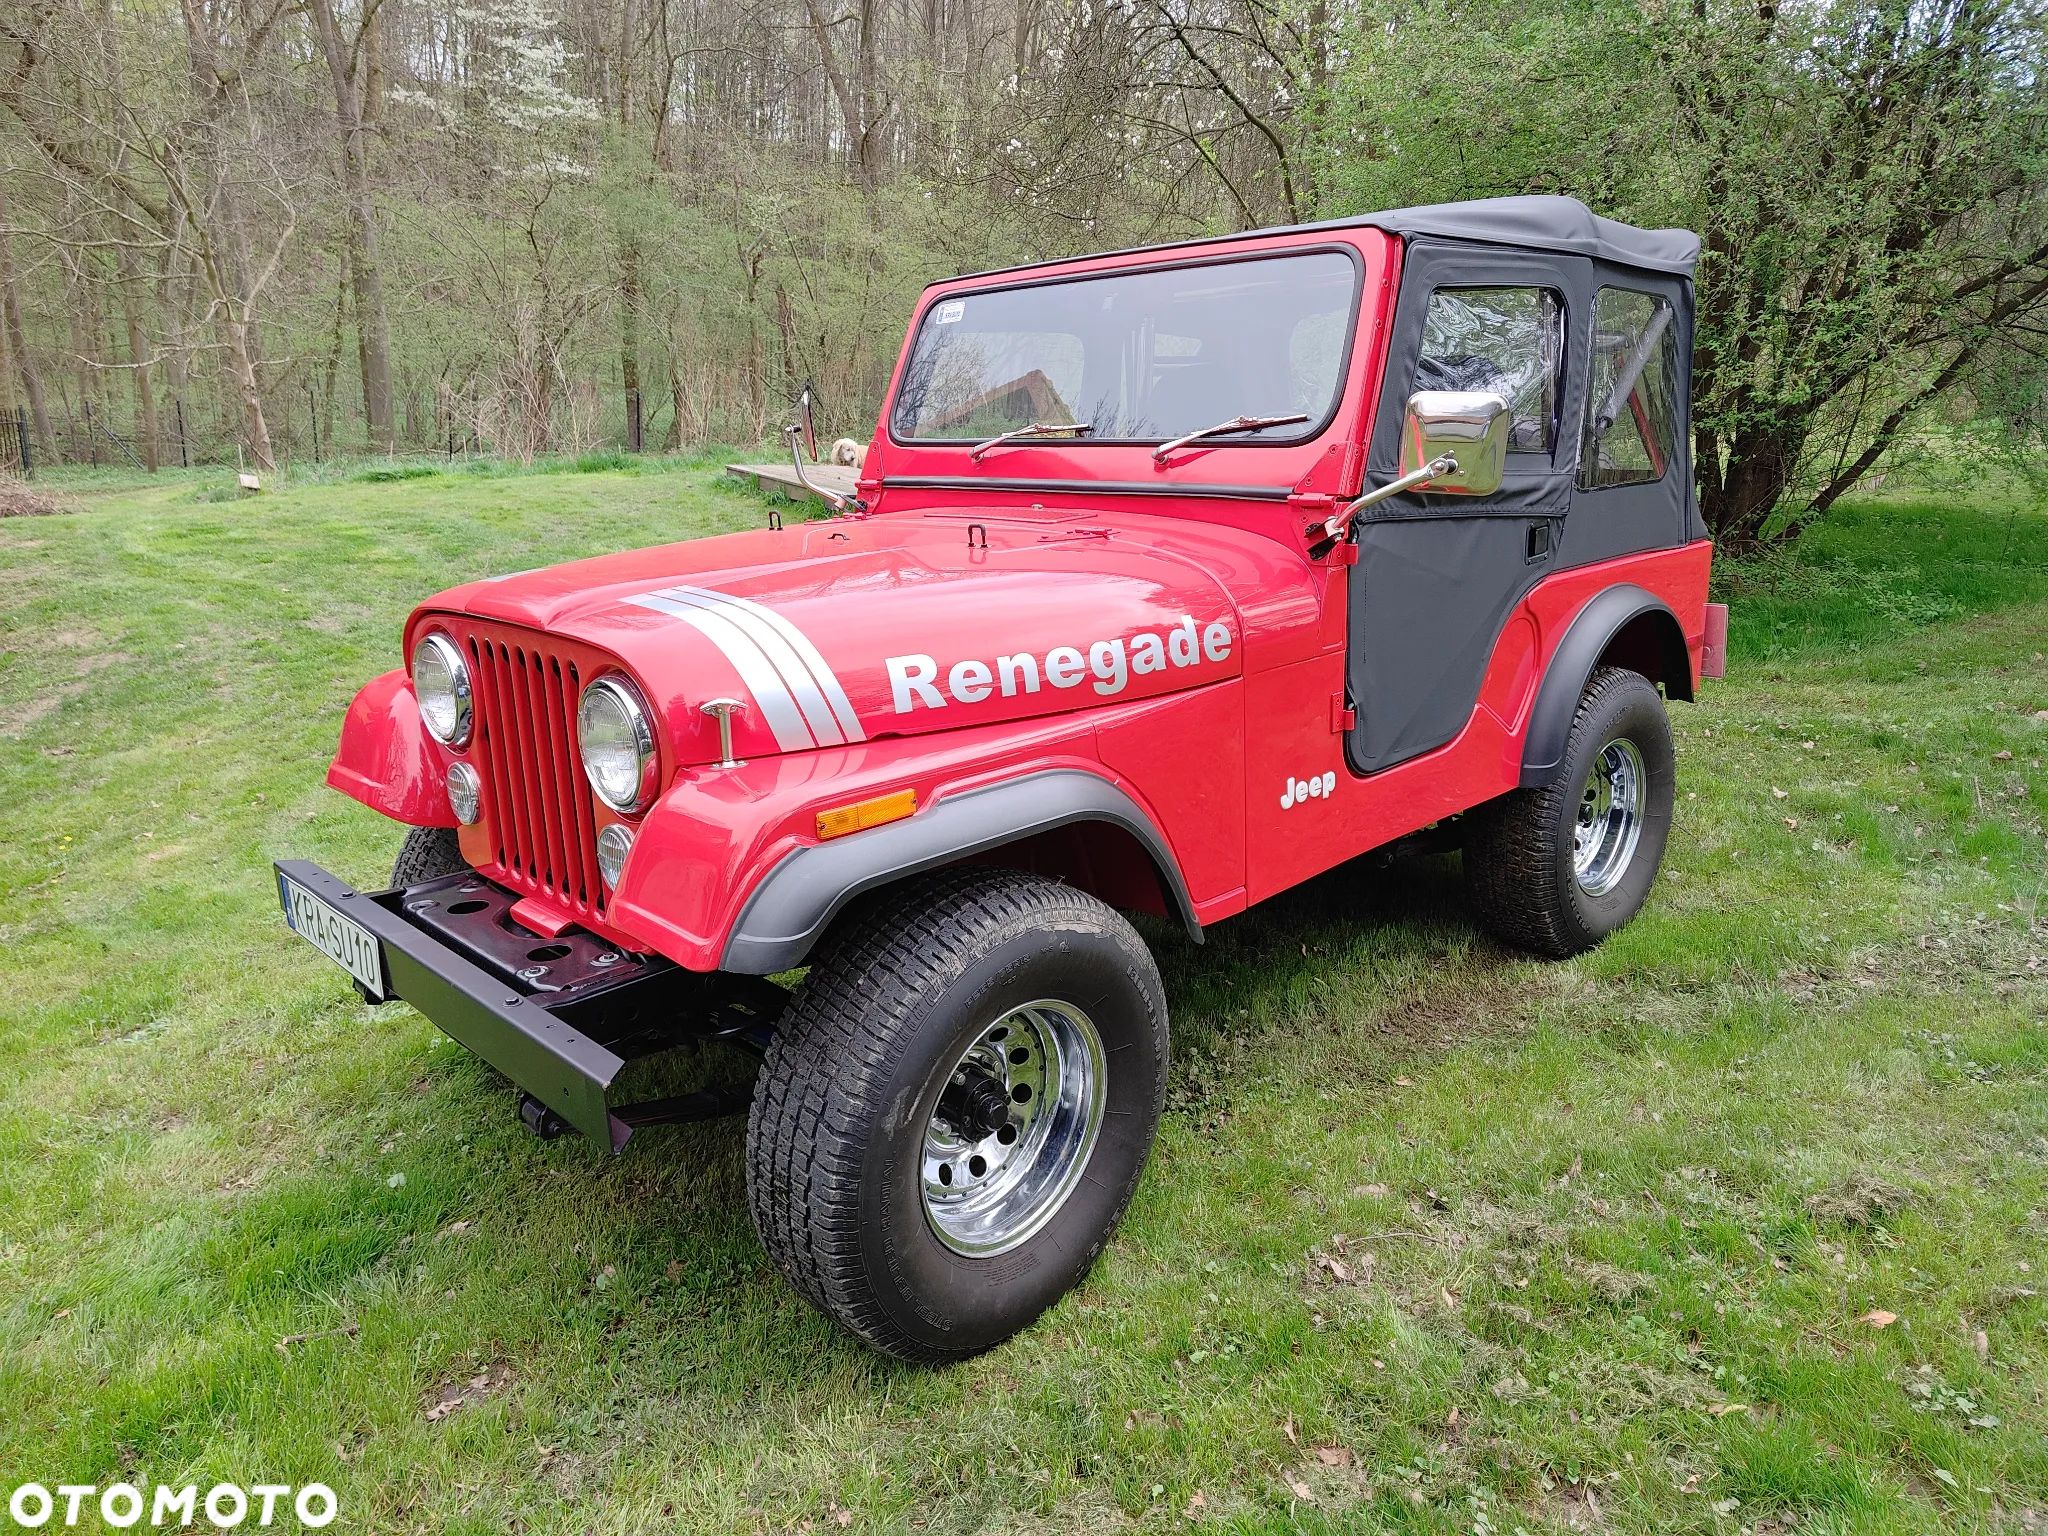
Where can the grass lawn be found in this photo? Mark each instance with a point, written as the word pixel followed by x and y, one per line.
pixel 1436 1238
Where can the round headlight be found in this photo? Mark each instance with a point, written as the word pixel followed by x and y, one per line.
pixel 440 680
pixel 617 744
pixel 465 793
pixel 613 844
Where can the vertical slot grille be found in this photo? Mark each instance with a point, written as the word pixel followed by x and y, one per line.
pixel 541 817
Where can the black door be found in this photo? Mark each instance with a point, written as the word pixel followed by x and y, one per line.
pixel 1438 575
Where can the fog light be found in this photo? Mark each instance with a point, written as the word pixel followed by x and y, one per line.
pixel 465 793
pixel 613 844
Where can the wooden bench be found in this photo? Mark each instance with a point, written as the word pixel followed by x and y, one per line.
pixel 836 478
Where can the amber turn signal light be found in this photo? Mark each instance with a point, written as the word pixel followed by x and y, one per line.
pixel 863 814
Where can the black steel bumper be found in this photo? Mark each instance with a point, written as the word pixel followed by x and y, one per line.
pixel 560 1017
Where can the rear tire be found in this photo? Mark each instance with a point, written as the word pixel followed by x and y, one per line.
pixel 1557 868
pixel 903 1168
pixel 427 853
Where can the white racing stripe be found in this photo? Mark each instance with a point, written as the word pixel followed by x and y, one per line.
pixel 799 694
pixel 795 673
pixel 826 679
pixel 778 707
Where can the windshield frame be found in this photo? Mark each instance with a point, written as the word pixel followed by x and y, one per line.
pixel 1307 432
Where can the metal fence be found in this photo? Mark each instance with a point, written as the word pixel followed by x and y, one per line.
pixel 85 438
pixel 17 447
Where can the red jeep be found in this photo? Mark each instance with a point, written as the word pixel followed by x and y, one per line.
pixel 1172 578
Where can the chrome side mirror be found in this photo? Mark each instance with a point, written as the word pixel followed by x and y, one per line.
pixel 1453 442
pixel 1469 428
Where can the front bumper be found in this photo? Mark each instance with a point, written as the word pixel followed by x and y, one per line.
pixel 561 1017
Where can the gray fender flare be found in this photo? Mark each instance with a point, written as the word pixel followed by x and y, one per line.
pixel 806 889
pixel 1571 668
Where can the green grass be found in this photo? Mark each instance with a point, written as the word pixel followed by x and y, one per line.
pixel 1436 1239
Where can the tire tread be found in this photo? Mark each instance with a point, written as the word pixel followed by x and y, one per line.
pixel 1508 858
pixel 427 853
pixel 821 1087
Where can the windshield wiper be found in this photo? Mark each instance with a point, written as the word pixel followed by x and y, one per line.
pixel 1225 429
pixel 1036 429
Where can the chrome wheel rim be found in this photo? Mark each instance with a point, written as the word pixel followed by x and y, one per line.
pixel 1013 1128
pixel 1610 820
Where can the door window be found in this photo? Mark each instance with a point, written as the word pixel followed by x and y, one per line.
pixel 1507 341
pixel 1632 405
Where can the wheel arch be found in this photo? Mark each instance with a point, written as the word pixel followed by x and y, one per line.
pixel 1065 822
pixel 1623 626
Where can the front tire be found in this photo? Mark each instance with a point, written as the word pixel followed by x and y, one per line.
pixel 1557 868
pixel 427 853
pixel 956 1109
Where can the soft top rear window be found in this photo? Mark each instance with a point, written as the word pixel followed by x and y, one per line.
pixel 1138 356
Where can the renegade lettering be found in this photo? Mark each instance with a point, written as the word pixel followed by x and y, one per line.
pixel 915 679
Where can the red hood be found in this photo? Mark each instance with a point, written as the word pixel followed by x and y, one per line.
pixel 857 628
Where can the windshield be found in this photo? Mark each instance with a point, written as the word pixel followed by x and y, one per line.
pixel 1140 356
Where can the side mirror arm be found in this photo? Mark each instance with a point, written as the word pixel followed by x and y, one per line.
pixel 1340 521
pixel 832 499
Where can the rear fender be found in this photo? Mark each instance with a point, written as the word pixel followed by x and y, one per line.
pixel 385 758
pixel 1623 626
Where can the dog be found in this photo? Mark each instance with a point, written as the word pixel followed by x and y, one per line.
pixel 848 453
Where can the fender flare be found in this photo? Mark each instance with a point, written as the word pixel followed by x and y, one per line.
pixel 797 899
pixel 384 758
pixel 1585 640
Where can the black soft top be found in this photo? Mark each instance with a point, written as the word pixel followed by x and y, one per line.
pixel 1544 223
pixel 1527 223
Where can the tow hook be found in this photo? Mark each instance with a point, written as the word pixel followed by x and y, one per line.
pixel 539 1119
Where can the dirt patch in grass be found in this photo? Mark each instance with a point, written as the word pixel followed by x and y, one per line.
pixel 1862 1200
pixel 455 1394
pixel 20 499
pixel 1572 1506
pixel 1438 1014
pixel 18 719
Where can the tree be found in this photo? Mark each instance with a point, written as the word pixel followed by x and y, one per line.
pixel 856 86
pixel 165 171
pixel 348 62
pixel 1864 178
pixel 23 359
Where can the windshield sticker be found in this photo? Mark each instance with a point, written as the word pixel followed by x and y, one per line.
pixel 951 310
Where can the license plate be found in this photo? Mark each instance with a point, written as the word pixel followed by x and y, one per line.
pixel 341 939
